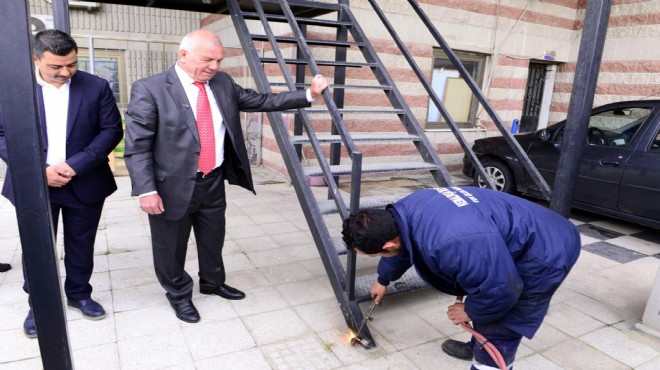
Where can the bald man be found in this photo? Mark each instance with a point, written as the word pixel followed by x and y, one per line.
pixel 183 140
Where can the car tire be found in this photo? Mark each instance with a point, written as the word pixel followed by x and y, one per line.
pixel 501 174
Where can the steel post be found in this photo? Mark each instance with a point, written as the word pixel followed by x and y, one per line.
pixel 26 162
pixel 579 108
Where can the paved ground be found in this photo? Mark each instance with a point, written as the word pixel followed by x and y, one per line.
pixel 290 319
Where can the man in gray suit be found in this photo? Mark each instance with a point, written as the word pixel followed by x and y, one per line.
pixel 183 139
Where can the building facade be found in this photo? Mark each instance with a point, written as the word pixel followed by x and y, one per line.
pixel 522 53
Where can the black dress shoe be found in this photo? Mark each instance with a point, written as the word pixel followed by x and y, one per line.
pixel 29 328
pixel 89 308
pixel 457 349
pixel 4 267
pixel 186 311
pixel 224 291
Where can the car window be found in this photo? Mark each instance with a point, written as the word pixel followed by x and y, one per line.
pixel 655 145
pixel 615 127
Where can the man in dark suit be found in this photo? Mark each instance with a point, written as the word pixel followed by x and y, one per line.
pixel 80 125
pixel 178 168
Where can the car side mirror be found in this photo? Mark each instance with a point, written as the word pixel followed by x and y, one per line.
pixel 543 135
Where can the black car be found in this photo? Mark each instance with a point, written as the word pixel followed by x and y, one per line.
pixel 620 167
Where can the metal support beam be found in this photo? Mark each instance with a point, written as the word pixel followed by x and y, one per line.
pixel 61 15
pixel 23 137
pixel 579 108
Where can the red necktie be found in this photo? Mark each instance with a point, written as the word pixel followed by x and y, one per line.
pixel 205 130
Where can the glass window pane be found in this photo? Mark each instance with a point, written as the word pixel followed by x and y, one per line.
pixel 616 127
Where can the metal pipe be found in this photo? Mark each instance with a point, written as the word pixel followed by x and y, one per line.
pixel 579 107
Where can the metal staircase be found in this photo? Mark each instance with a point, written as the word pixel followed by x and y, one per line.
pixel 335 128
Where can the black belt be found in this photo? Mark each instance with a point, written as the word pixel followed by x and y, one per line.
pixel 216 171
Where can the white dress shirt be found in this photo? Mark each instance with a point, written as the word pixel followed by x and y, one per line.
pixel 56 106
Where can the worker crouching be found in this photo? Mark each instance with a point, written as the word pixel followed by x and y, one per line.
pixel 505 254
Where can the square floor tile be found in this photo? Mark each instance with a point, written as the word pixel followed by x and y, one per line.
pixel 407 333
pixel 259 300
pixel 218 338
pixel 636 244
pixel 620 346
pixel 571 321
pixel 162 350
pixel 251 359
pixel 146 321
pixel 104 356
pixel 613 252
pixel 597 232
pixel 576 354
pixel 275 326
pixel 307 352
pixel 648 235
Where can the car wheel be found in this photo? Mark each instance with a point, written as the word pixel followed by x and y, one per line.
pixel 500 173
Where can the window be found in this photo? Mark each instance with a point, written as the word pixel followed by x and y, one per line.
pixel 615 127
pixel 655 145
pixel 108 64
pixel 452 89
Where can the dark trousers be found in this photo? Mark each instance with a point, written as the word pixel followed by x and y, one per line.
pixel 206 217
pixel 80 222
pixel 505 340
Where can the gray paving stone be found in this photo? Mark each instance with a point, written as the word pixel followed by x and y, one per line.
pixel 597 232
pixel 307 352
pixel 259 300
pixel 163 350
pixel 429 356
pixel 251 359
pixel 576 354
pixel 613 252
pixel 407 333
pixel 536 362
pixel 620 346
pixel 571 321
pixel 275 326
pixel 218 338
pixel 91 358
pixel 547 336
pixel 322 315
pixel 290 314
pixel 146 321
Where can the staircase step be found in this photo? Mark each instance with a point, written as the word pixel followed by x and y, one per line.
pixel 303 139
pixel 375 201
pixel 335 87
pixel 345 169
pixel 409 282
pixel 301 20
pixel 352 111
pixel 322 62
pixel 292 40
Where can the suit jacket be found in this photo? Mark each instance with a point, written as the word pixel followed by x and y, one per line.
pixel 93 131
pixel 162 143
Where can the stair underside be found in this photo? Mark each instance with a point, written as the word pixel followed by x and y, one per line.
pixel 409 282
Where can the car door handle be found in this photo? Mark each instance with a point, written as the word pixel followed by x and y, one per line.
pixel 609 163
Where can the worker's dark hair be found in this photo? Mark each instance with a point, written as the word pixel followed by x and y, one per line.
pixel 369 230
pixel 54 41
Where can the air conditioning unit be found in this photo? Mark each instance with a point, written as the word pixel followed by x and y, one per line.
pixel 89 5
pixel 40 22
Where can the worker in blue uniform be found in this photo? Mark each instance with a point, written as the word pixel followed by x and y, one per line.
pixel 506 255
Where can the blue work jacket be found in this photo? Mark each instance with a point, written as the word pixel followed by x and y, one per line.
pixel 506 254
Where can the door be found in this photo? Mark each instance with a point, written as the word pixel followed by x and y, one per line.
pixel 533 97
pixel 639 192
pixel 610 142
